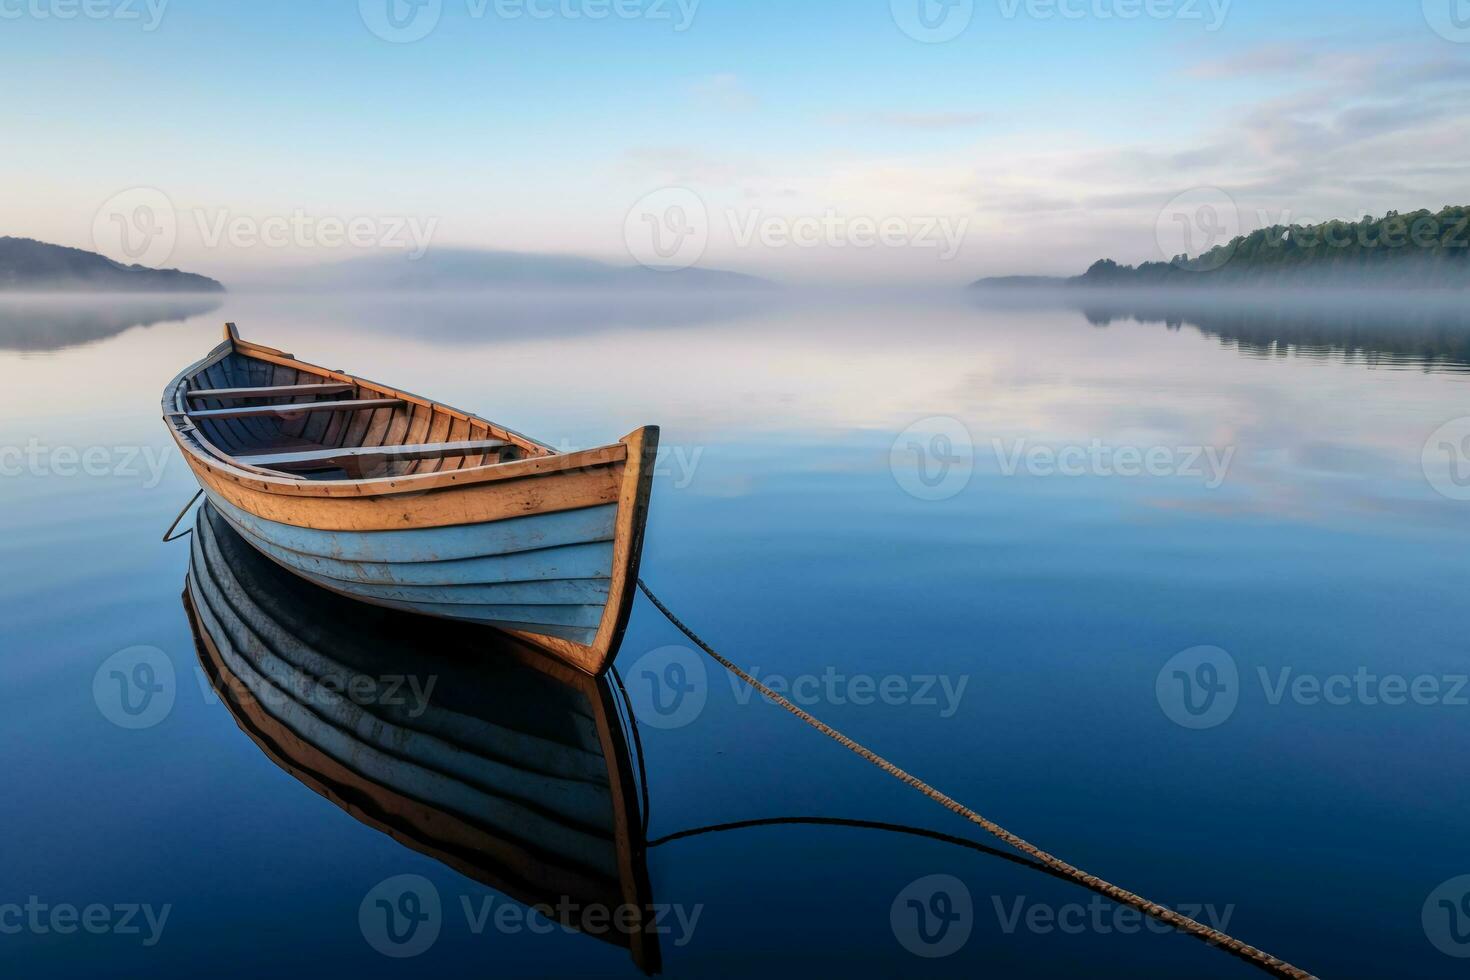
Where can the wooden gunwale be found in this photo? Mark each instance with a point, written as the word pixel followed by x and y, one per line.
pixel 224 464
pixel 457 500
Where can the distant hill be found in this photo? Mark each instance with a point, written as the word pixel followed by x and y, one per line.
pixel 1420 250
pixel 468 270
pixel 27 265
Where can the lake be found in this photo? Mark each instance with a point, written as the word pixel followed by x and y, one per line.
pixel 1176 594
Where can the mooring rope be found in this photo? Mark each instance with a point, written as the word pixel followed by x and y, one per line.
pixel 1181 922
pixel 166 538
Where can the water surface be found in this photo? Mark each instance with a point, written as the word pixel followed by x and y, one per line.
pixel 908 512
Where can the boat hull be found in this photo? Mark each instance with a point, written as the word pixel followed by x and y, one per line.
pixel 541 544
pixel 547 573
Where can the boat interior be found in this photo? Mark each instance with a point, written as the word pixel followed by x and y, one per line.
pixel 290 419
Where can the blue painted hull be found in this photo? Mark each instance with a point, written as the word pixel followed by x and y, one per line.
pixel 546 574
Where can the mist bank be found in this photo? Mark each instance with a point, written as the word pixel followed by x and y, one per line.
pixel 471 270
pixel 1419 250
pixel 1427 330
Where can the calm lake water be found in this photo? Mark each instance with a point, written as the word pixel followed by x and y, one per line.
pixel 1178 595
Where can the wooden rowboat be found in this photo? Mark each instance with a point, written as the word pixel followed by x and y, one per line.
pixel 407 503
pixel 457 741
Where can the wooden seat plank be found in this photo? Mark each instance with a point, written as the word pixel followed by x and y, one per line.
pixel 273 391
pixel 293 408
pixel 433 450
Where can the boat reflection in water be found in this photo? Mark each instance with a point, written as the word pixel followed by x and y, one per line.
pixel 453 739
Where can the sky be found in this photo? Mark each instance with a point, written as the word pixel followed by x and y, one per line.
pixel 871 141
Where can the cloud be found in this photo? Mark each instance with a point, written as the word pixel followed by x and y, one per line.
pixel 1312 130
pixel 1276 58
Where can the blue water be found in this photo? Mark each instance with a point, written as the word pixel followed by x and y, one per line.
pixel 791 532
